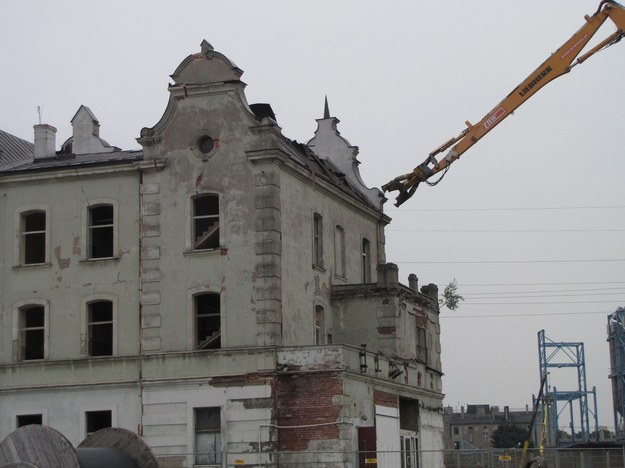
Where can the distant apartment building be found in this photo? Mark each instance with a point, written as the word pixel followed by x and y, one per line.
pixel 222 291
pixel 473 427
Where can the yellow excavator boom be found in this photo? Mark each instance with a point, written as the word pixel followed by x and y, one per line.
pixel 558 64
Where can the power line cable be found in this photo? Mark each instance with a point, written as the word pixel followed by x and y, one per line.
pixel 534 208
pixel 447 262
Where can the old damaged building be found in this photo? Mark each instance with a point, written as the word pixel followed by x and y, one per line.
pixel 223 291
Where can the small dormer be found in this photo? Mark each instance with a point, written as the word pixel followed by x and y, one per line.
pixel 86 133
pixel 329 144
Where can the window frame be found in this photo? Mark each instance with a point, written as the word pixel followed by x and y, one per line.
pixel 18 336
pixel 320 325
pixel 86 242
pixel 218 442
pixel 216 340
pixel 85 346
pixel 85 421
pixel 365 264
pixel 317 240
pixel 339 252
pixel 192 237
pixel 20 249
pixel 421 345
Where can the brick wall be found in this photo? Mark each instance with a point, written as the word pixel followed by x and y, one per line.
pixel 308 400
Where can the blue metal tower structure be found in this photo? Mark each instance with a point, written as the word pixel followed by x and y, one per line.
pixel 616 340
pixel 562 355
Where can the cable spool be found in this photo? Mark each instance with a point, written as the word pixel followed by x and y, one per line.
pixel 39 446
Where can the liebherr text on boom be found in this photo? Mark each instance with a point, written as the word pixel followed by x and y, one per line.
pixel 558 64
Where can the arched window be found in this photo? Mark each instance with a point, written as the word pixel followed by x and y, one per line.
pixel 366 261
pixel 32 332
pixel 317 240
pixel 101 233
pixel 100 328
pixel 33 237
pixel 207 320
pixel 205 222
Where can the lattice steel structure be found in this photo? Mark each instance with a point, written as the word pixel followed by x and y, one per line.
pixel 616 340
pixel 562 355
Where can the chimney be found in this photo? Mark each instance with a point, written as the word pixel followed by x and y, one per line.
pixel 45 141
pixel 413 282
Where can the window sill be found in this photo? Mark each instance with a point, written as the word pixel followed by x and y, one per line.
pixel 202 252
pixel 318 267
pixel 29 266
pixel 99 260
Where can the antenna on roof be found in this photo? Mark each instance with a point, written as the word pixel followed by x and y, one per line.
pixel 39 112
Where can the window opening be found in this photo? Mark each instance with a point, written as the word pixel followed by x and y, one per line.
pixel 206 222
pixel 207 436
pixel 28 419
pixel 339 251
pixel 422 350
pixel 319 325
pixel 100 323
pixel 101 231
pixel 317 239
pixel 96 420
pixel 32 333
pixel 34 237
pixel 366 261
pixel 208 321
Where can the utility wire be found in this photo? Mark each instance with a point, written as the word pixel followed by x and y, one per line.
pixel 498 231
pixel 534 208
pixel 487 293
pixel 446 262
pixel 458 316
pixel 538 284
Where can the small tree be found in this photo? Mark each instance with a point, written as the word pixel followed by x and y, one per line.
pixel 509 436
pixel 451 299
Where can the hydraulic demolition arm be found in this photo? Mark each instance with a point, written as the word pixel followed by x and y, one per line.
pixel 559 63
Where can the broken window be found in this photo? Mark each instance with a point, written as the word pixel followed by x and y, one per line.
pixel 339 251
pixel 317 240
pixel 422 350
pixel 96 420
pixel 319 325
pixel 101 231
pixel 206 222
pixel 100 328
pixel 366 261
pixel 28 419
pixel 32 332
pixel 208 436
pixel 208 321
pixel 33 232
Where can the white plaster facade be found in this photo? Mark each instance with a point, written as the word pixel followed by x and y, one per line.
pixel 295 268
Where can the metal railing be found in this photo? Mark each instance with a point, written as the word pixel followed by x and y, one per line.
pixel 478 458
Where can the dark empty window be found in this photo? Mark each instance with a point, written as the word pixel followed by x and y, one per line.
pixel 28 419
pixel 96 420
pixel 208 321
pixel 101 231
pixel 422 350
pixel 319 325
pixel 207 436
pixel 206 222
pixel 100 328
pixel 34 237
pixel 366 261
pixel 32 332
pixel 339 251
pixel 317 239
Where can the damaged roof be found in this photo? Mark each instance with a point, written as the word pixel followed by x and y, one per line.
pixel 61 161
pixel 14 150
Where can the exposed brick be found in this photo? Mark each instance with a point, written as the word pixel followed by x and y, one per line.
pixel 307 400
pixel 385 399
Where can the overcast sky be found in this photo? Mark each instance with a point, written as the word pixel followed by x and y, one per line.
pixel 530 222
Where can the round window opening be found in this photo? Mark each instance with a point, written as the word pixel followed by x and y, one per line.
pixel 206 144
